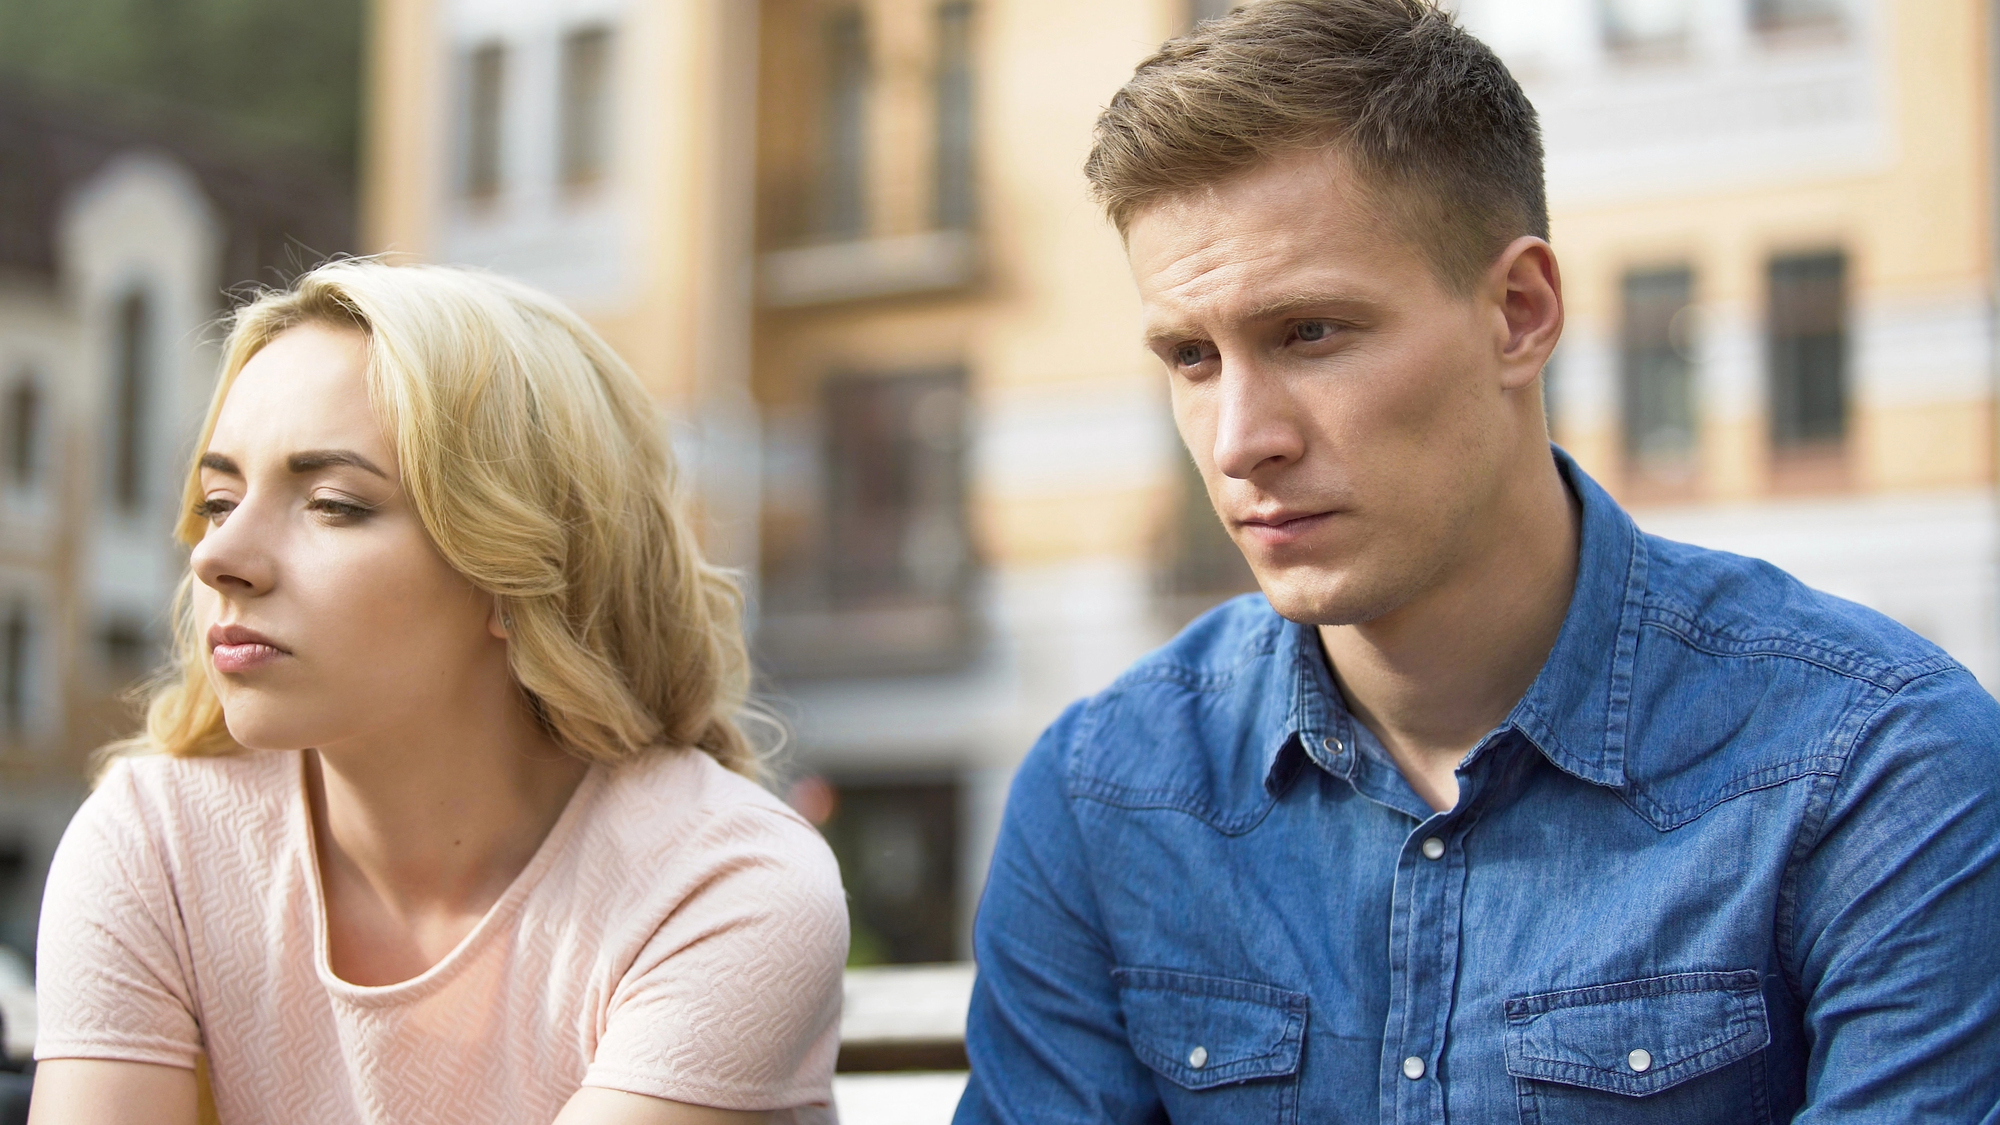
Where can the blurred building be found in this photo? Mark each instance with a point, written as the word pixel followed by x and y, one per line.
pixel 1775 220
pixel 116 243
pixel 847 244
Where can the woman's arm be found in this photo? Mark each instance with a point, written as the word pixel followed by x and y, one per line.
pixel 595 1106
pixel 102 1092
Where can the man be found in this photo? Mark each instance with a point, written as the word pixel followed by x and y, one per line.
pixel 1492 808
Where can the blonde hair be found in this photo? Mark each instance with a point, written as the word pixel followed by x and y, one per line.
pixel 534 458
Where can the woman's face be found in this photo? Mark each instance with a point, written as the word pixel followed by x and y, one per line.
pixel 326 613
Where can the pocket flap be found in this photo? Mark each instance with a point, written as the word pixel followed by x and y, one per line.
pixel 1637 1037
pixel 1201 1031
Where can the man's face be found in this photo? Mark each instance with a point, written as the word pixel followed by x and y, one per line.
pixel 1349 414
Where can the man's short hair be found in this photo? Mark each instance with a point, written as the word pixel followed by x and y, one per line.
pixel 1432 120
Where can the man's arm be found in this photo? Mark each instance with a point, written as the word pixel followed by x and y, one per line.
pixel 1897 938
pixel 1045 1035
pixel 103 1092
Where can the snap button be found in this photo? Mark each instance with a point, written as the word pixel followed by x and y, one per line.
pixel 1433 848
pixel 1333 745
pixel 1640 1060
pixel 1413 1068
pixel 1198 1057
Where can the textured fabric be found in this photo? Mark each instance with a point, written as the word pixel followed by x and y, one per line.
pixel 1732 859
pixel 679 934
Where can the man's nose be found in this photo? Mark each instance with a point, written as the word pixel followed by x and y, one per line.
pixel 1255 427
pixel 233 557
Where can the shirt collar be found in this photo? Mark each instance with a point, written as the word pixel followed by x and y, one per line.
pixel 1576 712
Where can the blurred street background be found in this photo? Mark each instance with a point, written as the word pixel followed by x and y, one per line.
pixel 846 244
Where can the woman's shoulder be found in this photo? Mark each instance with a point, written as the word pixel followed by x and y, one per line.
pixel 171 804
pixel 683 811
pixel 200 783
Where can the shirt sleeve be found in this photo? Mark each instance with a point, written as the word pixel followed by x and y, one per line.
pixel 112 961
pixel 734 1003
pixel 1046 1036
pixel 1896 903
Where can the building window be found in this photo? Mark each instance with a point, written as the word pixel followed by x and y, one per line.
pixel 1797 15
pixel 1646 28
pixel 954 203
pixel 844 162
pixel 1204 564
pixel 16 665
pixel 1808 351
pixel 897 843
pixel 22 430
pixel 1201 11
pixel 1549 396
pixel 1656 375
pixel 485 103
pixel 131 390
pixel 895 508
pixel 128 651
pixel 585 143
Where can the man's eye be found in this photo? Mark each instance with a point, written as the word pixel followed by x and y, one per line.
pixel 1313 331
pixel 1190 355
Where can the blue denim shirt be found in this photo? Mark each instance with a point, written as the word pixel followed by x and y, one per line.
pixel 1735 857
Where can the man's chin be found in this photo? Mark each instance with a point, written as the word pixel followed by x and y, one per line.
pixel 1325 599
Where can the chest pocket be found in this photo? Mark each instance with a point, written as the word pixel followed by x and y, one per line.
pixel 1685 1048
pixel 1223 1050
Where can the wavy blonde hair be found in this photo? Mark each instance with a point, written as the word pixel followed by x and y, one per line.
pixel 534 459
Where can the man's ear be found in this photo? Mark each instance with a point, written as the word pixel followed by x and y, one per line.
pixel 1526 286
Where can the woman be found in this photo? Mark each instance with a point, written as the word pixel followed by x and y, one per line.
pixel 444 814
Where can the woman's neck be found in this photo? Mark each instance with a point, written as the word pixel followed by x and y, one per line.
pixel 420 830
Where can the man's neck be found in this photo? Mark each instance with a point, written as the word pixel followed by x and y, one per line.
pixel 1433 676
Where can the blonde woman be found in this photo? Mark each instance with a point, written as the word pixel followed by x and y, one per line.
pixel 444 815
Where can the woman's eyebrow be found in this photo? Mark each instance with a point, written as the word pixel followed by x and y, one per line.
pixel 220 464
pixel 311 460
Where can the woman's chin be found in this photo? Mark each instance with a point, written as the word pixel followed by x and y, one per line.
pixel 253 732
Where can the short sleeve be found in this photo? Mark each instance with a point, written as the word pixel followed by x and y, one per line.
pixel 111 976
pixel 735 1001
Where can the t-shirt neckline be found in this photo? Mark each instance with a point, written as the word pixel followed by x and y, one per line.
pixel 497 916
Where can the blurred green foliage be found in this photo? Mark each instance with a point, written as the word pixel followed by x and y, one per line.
pixel 284 72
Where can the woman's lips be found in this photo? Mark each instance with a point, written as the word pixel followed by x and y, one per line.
pixel 242 658
pixel 235 648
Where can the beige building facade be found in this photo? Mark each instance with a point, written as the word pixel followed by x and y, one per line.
pixel 847 244
pixel 118 245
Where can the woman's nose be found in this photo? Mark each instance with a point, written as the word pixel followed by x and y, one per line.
pixel 232 558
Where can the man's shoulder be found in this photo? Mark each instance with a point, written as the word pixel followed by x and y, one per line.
pixel 1745 677
pixel 1729 606
pixel 1190 726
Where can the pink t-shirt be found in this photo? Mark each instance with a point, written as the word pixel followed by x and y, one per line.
pixel 679 934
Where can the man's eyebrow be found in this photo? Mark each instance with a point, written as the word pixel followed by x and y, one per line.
pixel 311 460
pixel 1293 302
pixel 1284 305
pixel 1158 334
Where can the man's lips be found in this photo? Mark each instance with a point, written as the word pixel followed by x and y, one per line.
pixel 1283 527
pixel 235 648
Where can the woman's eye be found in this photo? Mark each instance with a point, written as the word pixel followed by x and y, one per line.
pixel 339 510
pixel 213 510
pixel 1312 331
